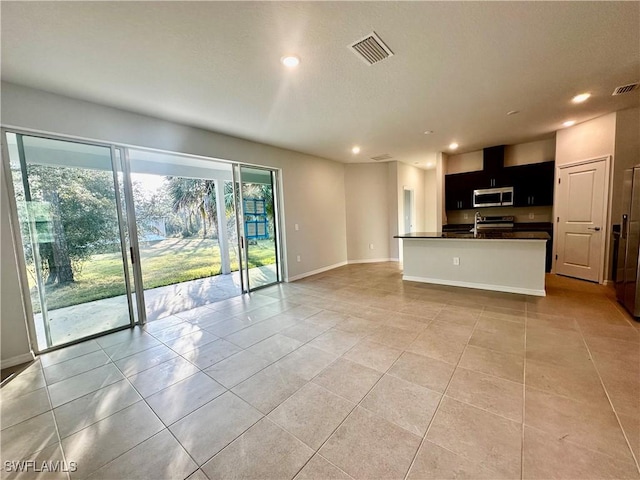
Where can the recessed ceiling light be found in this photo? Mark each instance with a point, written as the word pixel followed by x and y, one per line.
pixel 569 123
pixel 580 98
pixel 513 112
pixel 453 146
pixel 428 132
pixel 355 150
pixel 290 61
pixel 429 164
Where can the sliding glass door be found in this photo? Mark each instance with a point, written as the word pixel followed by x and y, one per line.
pixel 73 229
pixel 117 236
pixel 259 224
pixel 186 231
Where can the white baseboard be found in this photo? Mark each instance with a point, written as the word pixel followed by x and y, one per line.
pixel 17 360
pixel 481 286
pixel 371 260
pixel 315 272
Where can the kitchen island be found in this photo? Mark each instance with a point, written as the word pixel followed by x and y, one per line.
pixel 510 261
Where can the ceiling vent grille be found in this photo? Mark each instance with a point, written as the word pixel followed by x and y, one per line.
pixel 384 156
pixel 625 89
pixel 371 49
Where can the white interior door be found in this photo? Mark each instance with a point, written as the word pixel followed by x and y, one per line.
pixel 581 220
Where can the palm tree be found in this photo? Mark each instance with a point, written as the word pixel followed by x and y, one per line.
pixel 194 196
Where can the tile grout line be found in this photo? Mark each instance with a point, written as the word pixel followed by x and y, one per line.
pixel 143 399
pixel 615 412
pixel 444 393
pixel 287 398
pixel 55 423
pixel 356 405
pixel 524 390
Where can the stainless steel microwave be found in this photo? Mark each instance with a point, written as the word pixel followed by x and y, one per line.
pixel 493 197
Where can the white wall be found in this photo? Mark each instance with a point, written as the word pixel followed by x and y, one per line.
pixel 530 152
pixel 590 140
pixel 14 348
pixel 464 162
pixel 518 154
pixel 411 178
pixel 366 188
pixel 392 191
pixel 430 200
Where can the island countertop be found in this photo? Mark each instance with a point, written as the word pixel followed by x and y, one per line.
pixel 491 235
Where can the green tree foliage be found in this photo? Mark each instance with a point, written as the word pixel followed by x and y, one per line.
pixel 82 217
pixel 195 197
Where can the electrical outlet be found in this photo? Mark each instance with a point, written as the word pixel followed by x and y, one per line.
pixel 456 260
pixel 297 227
pixel 298 258
pixel 371 246
pixel 465 216
pixel 531 216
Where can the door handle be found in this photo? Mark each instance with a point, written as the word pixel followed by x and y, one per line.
pixel 625 219
pixel 597 229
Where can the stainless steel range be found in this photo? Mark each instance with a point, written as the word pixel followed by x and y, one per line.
pixel 494 222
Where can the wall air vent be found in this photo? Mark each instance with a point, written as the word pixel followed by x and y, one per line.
pixel 380 158
pixel 625 89
pixel 371 49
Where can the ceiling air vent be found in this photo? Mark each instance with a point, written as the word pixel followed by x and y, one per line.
pixel 371 49
pixel 625 89
pixel 384 156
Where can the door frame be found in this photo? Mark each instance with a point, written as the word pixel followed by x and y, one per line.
pixel 14 225
pixel 130 224
pixel 407 189
pixel 243 246
pixel 606 210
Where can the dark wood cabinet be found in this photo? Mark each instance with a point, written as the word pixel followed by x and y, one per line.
pixel 459 190
pixel 533 184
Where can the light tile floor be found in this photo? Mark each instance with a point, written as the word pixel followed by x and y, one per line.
pixel 348 374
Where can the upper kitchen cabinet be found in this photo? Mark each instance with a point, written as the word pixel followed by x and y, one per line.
pixel 459 190
pixel 493 174
pixel 533 184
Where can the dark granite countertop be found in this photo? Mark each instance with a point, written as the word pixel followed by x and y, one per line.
pixel 493 235
pixel 519 227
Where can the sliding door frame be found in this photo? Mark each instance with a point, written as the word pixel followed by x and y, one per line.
pixel 134 286
pixel 134 245
pixel 18 241
pixel 243 244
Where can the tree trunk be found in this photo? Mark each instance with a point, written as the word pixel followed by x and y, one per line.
pixel 60 270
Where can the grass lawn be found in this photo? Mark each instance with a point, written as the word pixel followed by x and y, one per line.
pixel 169 261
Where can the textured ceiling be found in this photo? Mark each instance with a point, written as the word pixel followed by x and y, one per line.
pixel 458 67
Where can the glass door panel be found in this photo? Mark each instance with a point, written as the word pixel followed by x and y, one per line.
pixel 67 198
pixel 260 226
pixel 186 231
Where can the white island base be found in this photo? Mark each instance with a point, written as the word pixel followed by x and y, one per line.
pixel 503 265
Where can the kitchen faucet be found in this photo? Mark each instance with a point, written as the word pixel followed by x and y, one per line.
pixel 476 219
